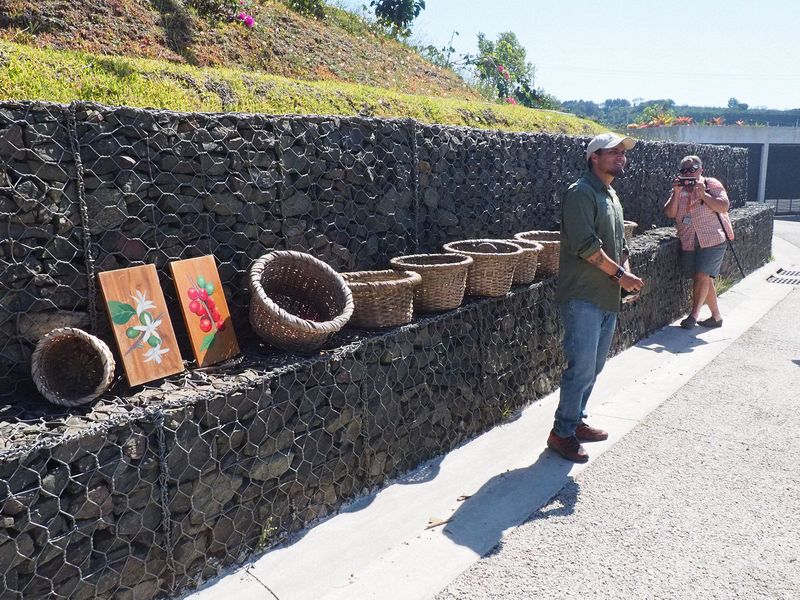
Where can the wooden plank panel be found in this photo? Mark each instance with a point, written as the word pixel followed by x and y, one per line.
pixel 141 323
pixel 205 310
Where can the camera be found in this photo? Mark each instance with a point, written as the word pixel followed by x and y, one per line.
pixel 687 181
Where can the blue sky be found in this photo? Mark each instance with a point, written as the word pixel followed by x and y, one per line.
pixel 699 53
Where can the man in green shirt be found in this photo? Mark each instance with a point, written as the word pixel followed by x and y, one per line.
pixel 593 268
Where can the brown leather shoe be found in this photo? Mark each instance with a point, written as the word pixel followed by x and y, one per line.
pixel 568 447
pixel 585 433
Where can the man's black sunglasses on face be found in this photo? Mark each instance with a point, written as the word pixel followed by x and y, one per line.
pixel 693 169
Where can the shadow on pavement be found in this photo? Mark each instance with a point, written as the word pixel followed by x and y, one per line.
pixel 676 340
pixel 480 521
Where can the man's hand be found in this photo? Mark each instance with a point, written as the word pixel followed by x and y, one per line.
pixel 630 282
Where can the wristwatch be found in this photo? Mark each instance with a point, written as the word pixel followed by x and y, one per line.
pixel 618 275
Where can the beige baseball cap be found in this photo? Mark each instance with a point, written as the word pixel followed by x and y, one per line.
pixel 604 141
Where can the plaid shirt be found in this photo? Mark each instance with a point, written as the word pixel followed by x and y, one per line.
pixel 703 222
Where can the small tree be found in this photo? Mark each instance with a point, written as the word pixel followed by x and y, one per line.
pixel 397 15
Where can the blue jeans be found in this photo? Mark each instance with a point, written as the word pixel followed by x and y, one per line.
pixel 588 331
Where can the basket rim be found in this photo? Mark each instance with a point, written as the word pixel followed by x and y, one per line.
pixel 63 333
pixel 523 235
pixel 450 247
pixel 397 279
pixel 529 245
pixel 460 260
pixel 331 326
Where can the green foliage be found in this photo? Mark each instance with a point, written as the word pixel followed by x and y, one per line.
pixel 224 10
pixel 503 72
pixel 442 57
pixel 736 105
pixel 314 8
pixel 397 15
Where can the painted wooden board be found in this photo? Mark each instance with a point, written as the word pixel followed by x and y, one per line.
pixel 141 323
pixel 205 310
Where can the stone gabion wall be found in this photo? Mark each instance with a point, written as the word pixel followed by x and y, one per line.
pixel 86 188
pixel 140 496
pixel 152 489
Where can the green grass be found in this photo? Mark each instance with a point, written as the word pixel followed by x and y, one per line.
pixel 28 73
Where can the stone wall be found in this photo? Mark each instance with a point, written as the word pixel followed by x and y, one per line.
pixel 86 188
pixel 147 494
pixel 154 489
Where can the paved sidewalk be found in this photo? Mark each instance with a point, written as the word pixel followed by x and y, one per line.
pixel 687 496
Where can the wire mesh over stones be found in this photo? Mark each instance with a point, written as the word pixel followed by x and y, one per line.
pixel 444 279
pixel 492 269
pixel 382 298
pixel 548 257
pixel 297 300
pixel 71 367
pixel 630 227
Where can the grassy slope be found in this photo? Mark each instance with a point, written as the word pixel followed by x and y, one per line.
pixel 156 53
pixel 63 76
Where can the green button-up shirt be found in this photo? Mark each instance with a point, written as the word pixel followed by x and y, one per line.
pixel 591 219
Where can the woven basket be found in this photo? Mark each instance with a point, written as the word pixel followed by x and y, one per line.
pixel 382 298
pixel 548 257
pixel 492 268
pixel 525 272
pixel 630 227
pixel 444 279
pixel 71 367
pixel 297 300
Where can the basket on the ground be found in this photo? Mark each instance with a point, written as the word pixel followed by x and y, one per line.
pixel 444 279
pixel 382 298
pixel 525 272
pixel 71 367
pixel 630 227
pixel 551 246
pixel 297 301
pixel 493 264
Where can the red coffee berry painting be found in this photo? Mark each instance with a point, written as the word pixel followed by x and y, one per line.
pixel 141 323
pixel 205 310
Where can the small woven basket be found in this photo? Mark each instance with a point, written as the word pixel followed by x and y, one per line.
pixel 297 300
pixel 630 227
pixel 525 272
pixel 548 257
pixel 492 268
pixel 382 298
pixel 71 367
pixel 444 279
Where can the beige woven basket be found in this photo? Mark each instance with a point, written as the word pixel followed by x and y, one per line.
pixel 630 227
pixel 444 279
pixel 297 300
pixel 548 257
pixel 382 298
pixel 71 367
pixel 525 271
pixel 493 263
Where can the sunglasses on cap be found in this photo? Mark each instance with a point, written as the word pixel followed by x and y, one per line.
pixel 692 169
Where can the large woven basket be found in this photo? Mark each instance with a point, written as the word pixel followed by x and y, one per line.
pixel 444 279
pixel 71 367
pixel 525 272
pixel 630 227
pixel 548 257
pixel 382 298
pixel 493 264
pixel 297 300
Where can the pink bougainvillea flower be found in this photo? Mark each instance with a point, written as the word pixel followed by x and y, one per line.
pixel 500 68
pixel 511 100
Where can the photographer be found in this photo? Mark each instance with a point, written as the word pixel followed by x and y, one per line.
pixel 699 206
